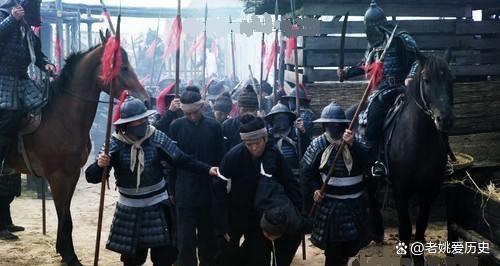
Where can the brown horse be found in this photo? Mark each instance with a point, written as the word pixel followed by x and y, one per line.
pixel 59 148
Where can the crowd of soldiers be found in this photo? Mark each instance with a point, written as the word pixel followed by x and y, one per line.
pixel 216 178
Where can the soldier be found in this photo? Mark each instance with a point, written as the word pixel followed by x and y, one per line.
pixel 247 104
pixel 306 114
pixel 19 47
pixel 222 107
pixel 339 225
pixel 399 68
pixel 244 164
pixel 200 137
pixel 143 219
pixel 284 135
pixel 10 187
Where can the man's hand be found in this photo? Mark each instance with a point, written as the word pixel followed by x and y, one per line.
pixel 299 124
pixel 348 137
pixel 17 12
pixel 50 68
pixel 213 171
pixel 318 196
pixel 342 74
pixel 408 81
pixel 175 104
pixel 227 237
pixel 103 160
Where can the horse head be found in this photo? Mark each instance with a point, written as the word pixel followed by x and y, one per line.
pixel 434 89
pixel 126 78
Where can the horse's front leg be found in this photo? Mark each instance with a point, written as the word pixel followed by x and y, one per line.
pixel 405 228
pixel 62 186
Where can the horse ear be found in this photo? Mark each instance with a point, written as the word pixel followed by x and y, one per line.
pixel 108 33
pixel 103 38
pixel 447 55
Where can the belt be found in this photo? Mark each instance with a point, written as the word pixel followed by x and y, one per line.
pixel 391 81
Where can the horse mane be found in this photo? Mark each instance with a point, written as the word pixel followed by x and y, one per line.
pixel 436 67
pixel 68 71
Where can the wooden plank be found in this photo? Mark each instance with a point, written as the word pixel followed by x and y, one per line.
pixel 399 9
pixel 412 26
pixel 476 70
pixel 478 27
pixel 424 42
pixel 290 76
pixel 473 59
pixel 291 60
pixel 325 58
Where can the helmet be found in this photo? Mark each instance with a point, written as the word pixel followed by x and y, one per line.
pixel 332 113
pixel 132 109
pixel 280 108
pixel 374 16
pixel 293 93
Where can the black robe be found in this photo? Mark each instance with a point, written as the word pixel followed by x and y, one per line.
pixel 231 132
pixel 204 142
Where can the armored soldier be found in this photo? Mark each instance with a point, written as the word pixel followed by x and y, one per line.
pixel 307 116
pixel 339 225
pixel 143 219
pixel 399 66
pixel 19 47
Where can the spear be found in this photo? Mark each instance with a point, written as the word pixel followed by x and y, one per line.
pixel 275 85
pixel 109 72
pixel 297 110
pixel 262 54
pixel 155 42
pixel 178 48
pixel 204 45
pixel 232 51
pixel 133 51
pixel 108 17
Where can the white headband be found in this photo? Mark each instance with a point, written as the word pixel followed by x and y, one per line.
pixel 254 135
pixel 191 107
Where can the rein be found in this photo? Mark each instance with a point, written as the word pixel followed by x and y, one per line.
pixel 86 99
pixel 424 107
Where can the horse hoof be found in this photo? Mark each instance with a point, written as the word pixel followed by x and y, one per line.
pixel 71 262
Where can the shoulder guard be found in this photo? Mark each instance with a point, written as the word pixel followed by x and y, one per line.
pixel 166 144
pixel 318 145
pixel 409 43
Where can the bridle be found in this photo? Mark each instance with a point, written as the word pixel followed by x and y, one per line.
pixel 424 105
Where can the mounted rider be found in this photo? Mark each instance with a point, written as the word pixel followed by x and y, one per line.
pixel 399 66
pixel 19 47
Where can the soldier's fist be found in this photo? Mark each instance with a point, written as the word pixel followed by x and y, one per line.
pixel 17 12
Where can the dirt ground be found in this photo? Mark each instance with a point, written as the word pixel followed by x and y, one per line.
pixel 34 248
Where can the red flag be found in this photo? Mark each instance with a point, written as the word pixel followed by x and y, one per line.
pixel 161 104
pixel 111 60
pixel 174 38
pixel 291 43
pixel 214 48
pixel 198 44
pixel 150 52
pixel 270 58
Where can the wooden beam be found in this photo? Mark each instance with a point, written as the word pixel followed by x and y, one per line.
pixel 290 76
pixel 478 27
pixel 476 70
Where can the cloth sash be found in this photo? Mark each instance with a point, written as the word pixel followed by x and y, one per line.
pixel 334 145
pixel 136 152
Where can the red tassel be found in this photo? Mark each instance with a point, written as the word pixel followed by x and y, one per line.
pixel 161 104
pixel 111 60
pixel 58 51
pixel 375 71
pixel 197 45
pixel 263 50
pixel 116 111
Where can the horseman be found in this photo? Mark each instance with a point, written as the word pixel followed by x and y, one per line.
pixel 399 66
pixel 339 225
pixel 19 47
pixel 143 218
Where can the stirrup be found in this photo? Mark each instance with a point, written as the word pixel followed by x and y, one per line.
pixel 379 169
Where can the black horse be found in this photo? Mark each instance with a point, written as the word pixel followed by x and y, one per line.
pixel 417 147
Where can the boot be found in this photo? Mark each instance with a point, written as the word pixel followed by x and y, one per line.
pixel 7 235
pixel 4 170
